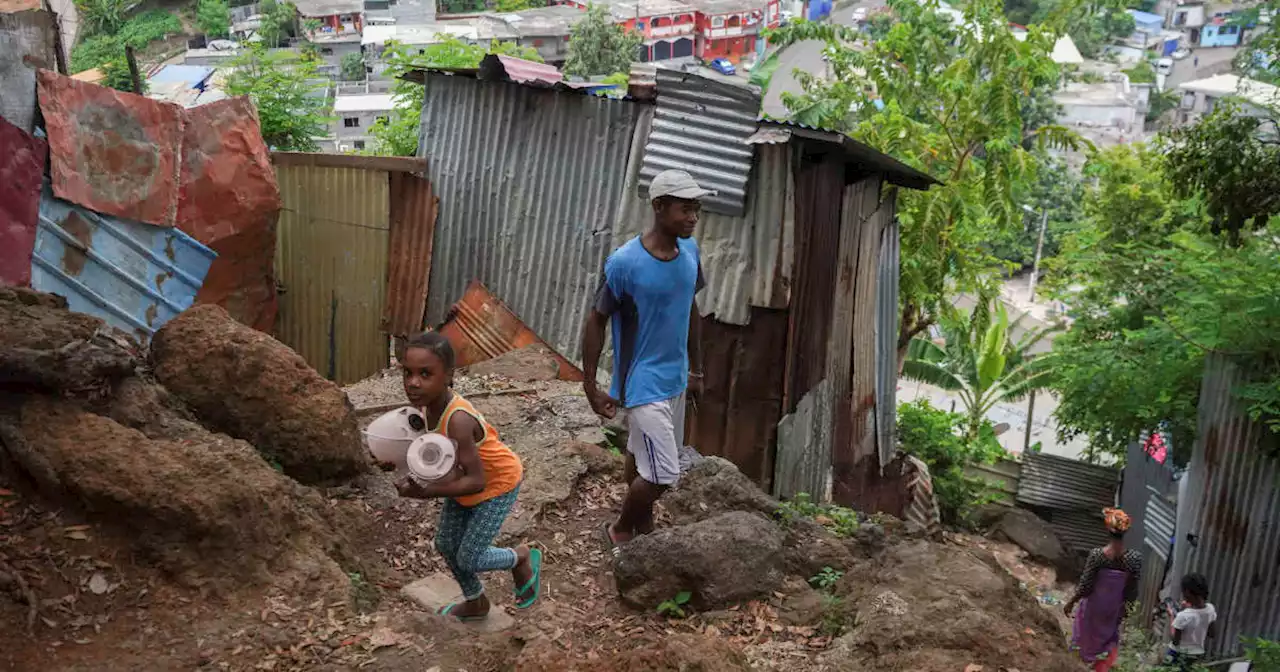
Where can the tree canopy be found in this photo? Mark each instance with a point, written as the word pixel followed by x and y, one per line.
pixel 214 18
pixel 281 86
pixel 1172 263
pixel 599 47
pixel 946 99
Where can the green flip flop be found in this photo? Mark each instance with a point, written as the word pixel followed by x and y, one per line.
pixel 534 584
pixel 446 609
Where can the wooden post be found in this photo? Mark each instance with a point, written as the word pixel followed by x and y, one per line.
pixel 1031 409
pixel 133 70
pixel 60 57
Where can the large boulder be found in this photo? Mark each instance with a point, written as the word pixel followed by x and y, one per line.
pixel 243 382
pixel 1032 534
pixel 714 486
pixel 721 560
pixel 46 347
pixel 205 508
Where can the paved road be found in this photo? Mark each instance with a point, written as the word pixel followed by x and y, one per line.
pixel 1202 63
pixel 807 57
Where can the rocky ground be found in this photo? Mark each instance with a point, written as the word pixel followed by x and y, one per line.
pixel 134 535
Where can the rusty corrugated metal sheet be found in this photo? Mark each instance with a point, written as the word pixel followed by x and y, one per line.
pixel 22 158
pixel 134 276
pixel 229 200
pixel 1144 480
pixel 746 259
pixel 857 204
pixel 480 327
pixel 1228 526
pixel 701 127
pixel 227 181
pixel 887 335
pixel 803 462
pixel 529 181
pixel 331 260
pixel 854 453
pixel 521 71
pixel 113 152
pixel 819 190
pixel 413 225
pixel 27 42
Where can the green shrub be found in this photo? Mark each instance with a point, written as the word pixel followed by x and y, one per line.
pixel 1264 654
pixel 138 32
pixel 933 436
pixel 840 521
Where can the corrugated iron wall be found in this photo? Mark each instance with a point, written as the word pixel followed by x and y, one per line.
pixel 1070 494
pixel 746 259
pixel 331 261
pixel 413 226
pixel 1229 517
pixel 529 181
pixel 1145 479
pixel 887 335
pixel 701 127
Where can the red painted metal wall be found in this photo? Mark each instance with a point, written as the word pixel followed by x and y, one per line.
pixel 22 159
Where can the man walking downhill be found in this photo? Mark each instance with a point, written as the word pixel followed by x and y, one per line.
pixel 647 293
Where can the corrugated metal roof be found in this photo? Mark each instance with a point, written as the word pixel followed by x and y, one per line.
pixel 702 127
pixel 1061 483
pixel 519 70
pixel 135 276
pixel 413 226
pixel 529 182
pixel 872 160
pixel 746 259
pixel 22 157
pixel 1228 526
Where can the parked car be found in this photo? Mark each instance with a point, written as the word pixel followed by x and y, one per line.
pixel 723 66
pixel 860 15
pixel 1164 66
pixel 1180 53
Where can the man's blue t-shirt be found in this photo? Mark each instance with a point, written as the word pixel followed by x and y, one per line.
pixel 649 300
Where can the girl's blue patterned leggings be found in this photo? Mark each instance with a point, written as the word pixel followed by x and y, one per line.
pixel 465 537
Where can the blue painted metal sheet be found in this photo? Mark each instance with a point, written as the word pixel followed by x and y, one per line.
pixel 193 76
pixel 135 276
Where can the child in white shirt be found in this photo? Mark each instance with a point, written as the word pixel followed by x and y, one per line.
pixel 1194 624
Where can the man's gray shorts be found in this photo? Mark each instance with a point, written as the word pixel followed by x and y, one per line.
pixel 655 433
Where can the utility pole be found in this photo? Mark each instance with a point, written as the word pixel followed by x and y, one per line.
pixel 1035 266
pixel 1031 410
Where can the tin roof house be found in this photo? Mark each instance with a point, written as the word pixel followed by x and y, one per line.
pixel 538 182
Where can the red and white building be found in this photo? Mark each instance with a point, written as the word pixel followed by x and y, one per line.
pixel 705 29
pixel 731 28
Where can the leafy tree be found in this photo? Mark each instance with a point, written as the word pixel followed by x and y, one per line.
pixel 932 435
pixel 102 17
pixel 1056 188
pixel 138 32
pixel 981 361
pixel 1162 102
pixel 952 106
pixel 117 76
pixel 879 24
pixel 517 5
pixel 281 85
pixel 214 18
pixel 279 22
pixel 1119 372
pixel 397 135
pixel 598 46
pixel 353 67
pixel 1226 158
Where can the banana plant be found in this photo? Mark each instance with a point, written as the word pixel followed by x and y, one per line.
pixel 980 361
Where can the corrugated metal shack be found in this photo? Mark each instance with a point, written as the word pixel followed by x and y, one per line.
pixel 1149 495
pixel 1228 519
pixel 538 182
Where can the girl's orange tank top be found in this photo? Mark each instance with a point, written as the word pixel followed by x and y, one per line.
pixel 502 468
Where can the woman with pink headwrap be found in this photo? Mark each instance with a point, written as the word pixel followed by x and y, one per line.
pixel 1108 584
